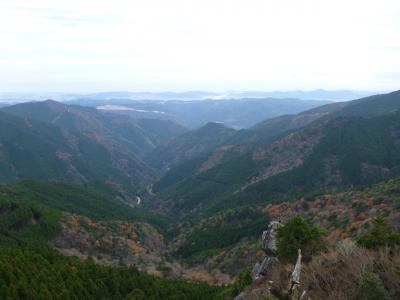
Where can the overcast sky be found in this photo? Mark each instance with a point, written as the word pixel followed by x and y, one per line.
pixel 154 45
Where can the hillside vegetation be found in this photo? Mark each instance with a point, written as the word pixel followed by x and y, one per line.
pixel 30 269
pixel 75 199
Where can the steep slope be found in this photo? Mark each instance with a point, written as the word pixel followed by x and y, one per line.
pixel 37 150
pixel 365 107
pixel 331 152
pixel 371 106
pixel 138 136
pixel 270 129
pixel 191 144
pixel 350 151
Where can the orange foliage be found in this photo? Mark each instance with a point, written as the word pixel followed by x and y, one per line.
pixel 137 249
pixel 362 215
pixel 73 234
pixel 198 277
pixel 259 254
pixel 355 225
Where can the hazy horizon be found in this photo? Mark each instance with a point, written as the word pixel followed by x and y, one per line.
pixel 317 95
pixel 91 46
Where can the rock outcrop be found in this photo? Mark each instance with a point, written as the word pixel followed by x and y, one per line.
pixel 269 263
pixel 269 246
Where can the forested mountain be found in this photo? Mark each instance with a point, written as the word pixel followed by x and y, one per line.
pixel 32 149
pixel 354 143
pixel 138 136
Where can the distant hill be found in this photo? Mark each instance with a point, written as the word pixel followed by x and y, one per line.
pixel 319 94
pixel 235 113
pixel 339 95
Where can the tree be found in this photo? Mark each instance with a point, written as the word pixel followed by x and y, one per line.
pixel 298 233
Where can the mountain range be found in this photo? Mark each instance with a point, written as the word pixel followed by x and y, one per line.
pixel 320 94
pixel 236 113
pixel 115 188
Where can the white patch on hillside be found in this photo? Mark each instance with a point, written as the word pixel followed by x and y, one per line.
pixel 120 107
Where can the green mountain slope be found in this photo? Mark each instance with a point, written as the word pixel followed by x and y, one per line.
pixel 365 107
pixel 190 145
pixel 371 106
pixel 75 199
pixel 352 152
pixel 35 150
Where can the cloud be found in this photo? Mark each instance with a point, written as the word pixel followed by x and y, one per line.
pixel 391 75
pixel 254 44
pixel 71 20
pixel 69 17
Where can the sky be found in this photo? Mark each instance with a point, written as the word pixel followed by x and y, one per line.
pixel 214 45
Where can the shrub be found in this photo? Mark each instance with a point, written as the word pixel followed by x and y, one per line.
pixel 270 297
pixel 397 270
pixel 380 235
pixel 371 287
pixel 242 280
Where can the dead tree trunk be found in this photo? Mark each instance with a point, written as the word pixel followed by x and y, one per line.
pixel 294 285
